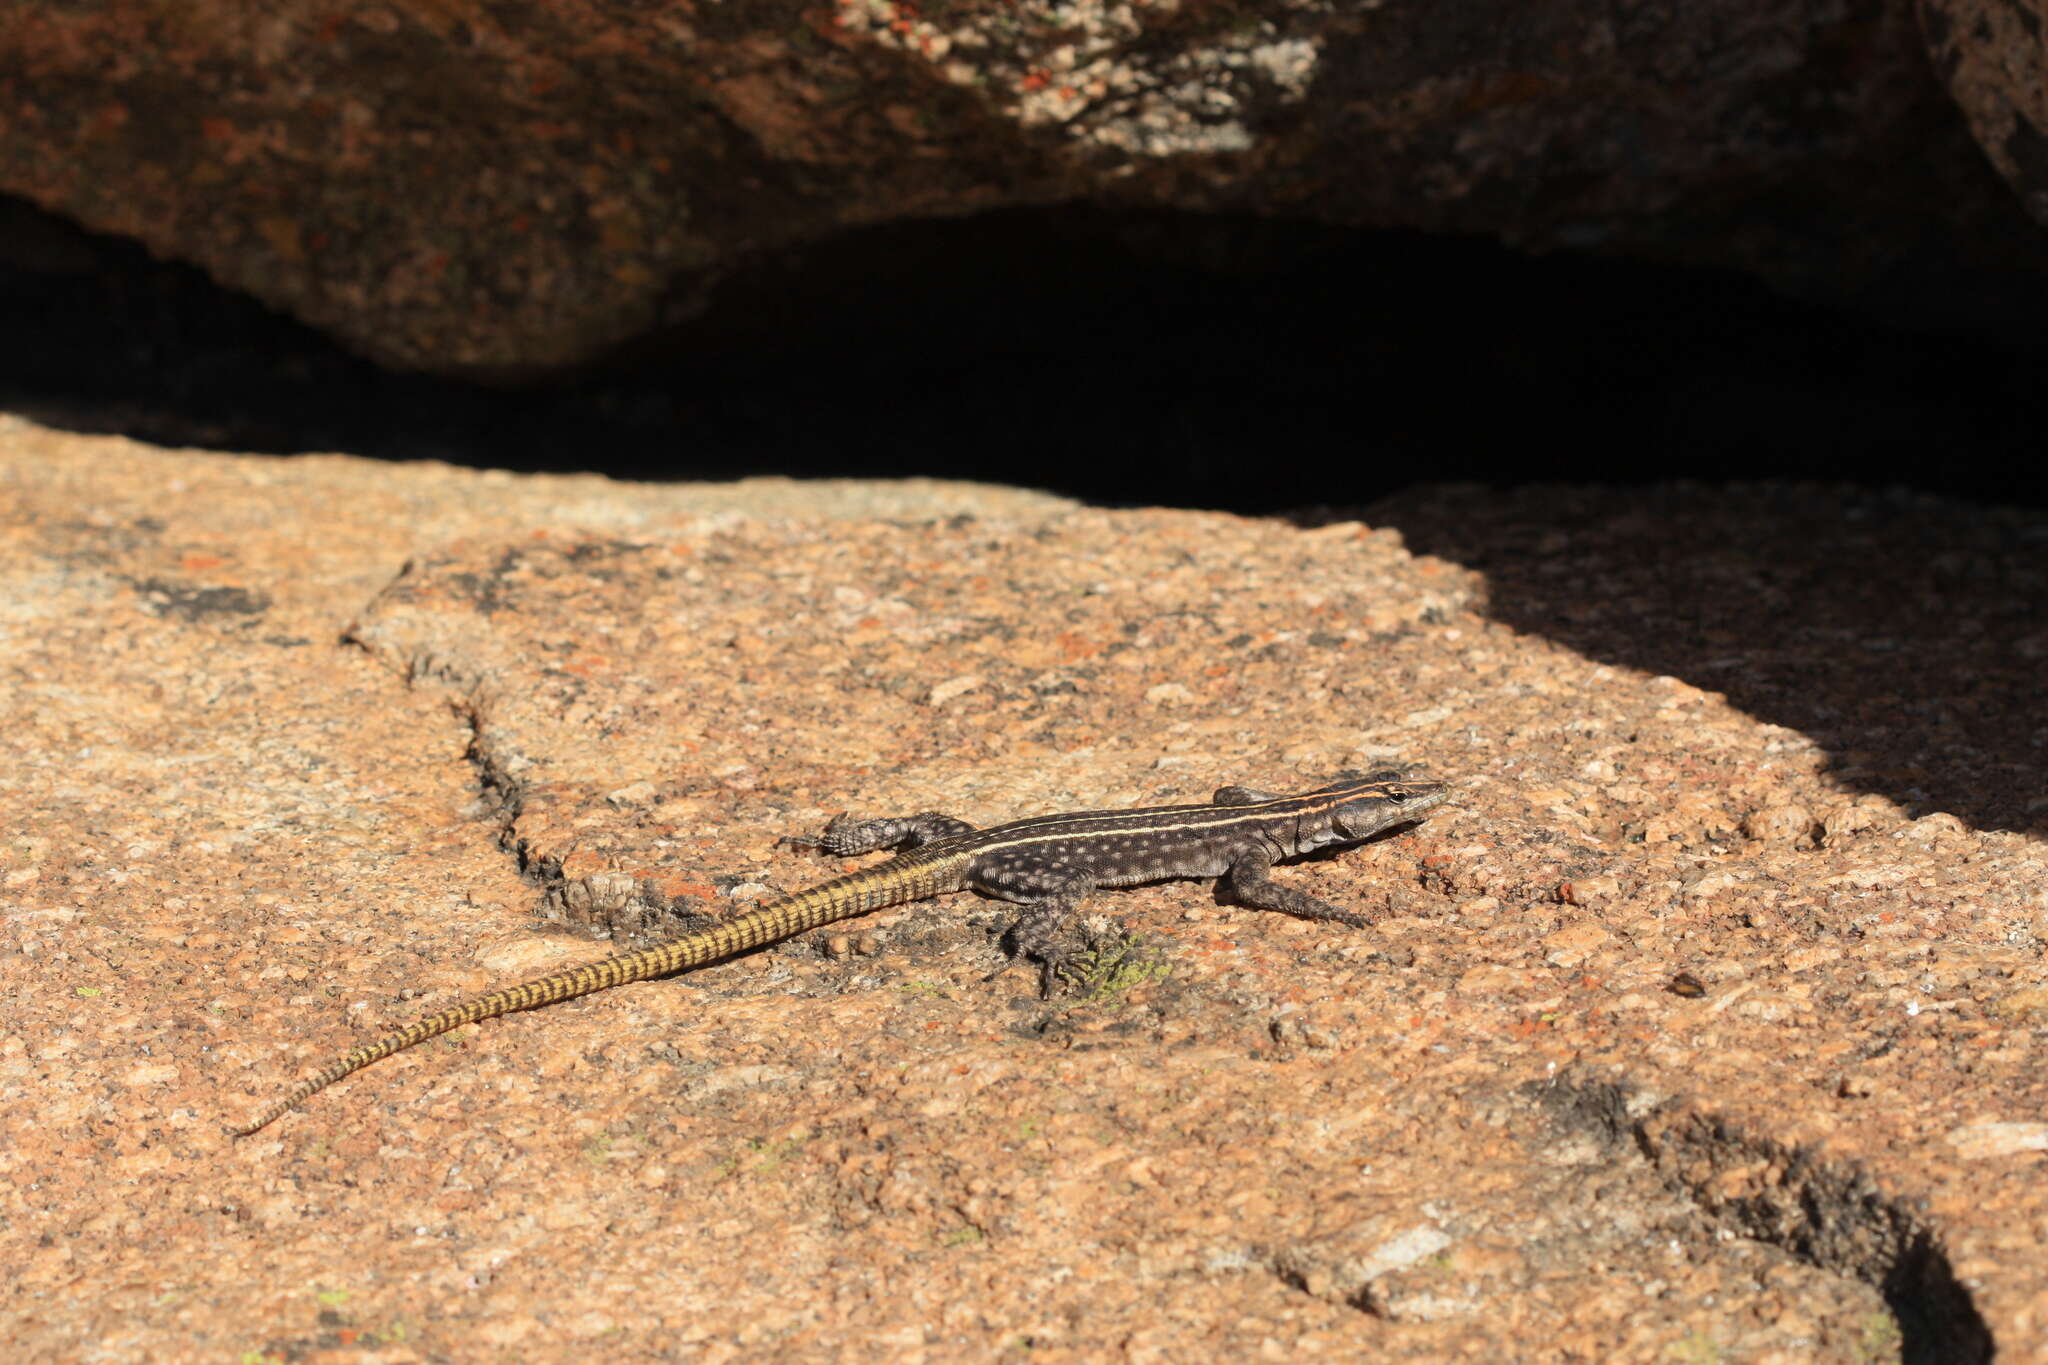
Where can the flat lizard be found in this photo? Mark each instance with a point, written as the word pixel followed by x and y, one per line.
pixel 1047 863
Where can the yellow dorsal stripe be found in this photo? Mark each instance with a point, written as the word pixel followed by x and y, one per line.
pixel 1163 819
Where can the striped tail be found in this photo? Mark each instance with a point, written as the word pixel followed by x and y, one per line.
pixel 889 883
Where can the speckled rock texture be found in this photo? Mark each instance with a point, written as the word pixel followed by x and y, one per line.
pixel 1707 1023
pixel 515 188
pixel 1995 60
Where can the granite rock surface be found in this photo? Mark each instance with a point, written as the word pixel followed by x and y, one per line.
pixel 1706 1022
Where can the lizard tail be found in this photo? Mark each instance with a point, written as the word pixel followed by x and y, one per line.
pixel 854 894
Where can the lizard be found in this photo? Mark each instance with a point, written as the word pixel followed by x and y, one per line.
pixel 1046 863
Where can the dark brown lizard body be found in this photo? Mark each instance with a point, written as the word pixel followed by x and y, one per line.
pixel 1047 863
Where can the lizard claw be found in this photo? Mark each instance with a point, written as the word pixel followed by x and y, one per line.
pixel 811 840
pixel 1049 971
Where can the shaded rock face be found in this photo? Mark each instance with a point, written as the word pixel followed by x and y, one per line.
pixel 510 190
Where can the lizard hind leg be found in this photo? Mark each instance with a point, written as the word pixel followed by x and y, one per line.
pixel 1049 893
pixel 845 837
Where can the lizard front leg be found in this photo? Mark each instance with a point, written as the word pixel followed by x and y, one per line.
pixel 1251 884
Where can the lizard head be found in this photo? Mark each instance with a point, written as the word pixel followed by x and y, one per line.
pixel 1371 802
